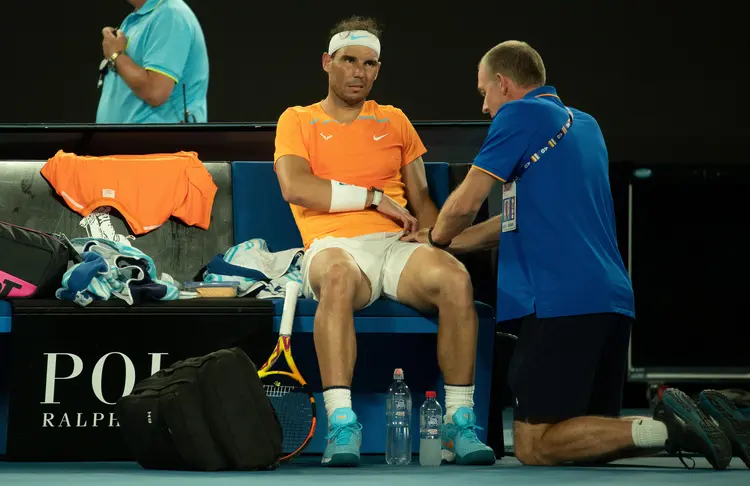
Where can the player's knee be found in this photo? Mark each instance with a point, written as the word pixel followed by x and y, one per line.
pixel 339 280
pixel 453 284
pixel 459 284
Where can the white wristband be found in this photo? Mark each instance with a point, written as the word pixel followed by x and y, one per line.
pixel 347 198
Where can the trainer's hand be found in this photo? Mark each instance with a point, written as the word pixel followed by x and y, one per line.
pixel 113 41
pixel 418 236
pixel 393 210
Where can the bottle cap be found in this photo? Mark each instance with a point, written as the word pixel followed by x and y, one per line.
pixel 398 374
pixel 431 394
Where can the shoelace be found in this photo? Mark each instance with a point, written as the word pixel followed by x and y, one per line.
pixel 343 433
pixel 470 432
pixel 678 452
pixel 682 458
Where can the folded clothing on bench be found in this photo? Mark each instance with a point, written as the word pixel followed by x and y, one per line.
pixel 260 272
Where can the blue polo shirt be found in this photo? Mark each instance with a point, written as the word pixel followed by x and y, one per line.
pixel 563 259
pixel 163 36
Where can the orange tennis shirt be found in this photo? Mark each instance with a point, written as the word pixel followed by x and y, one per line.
pixel 370 151
pixel 145 189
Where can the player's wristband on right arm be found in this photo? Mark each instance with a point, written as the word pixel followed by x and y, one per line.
pixel 345 197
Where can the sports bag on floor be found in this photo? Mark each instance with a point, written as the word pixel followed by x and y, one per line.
pixel 32 263
pixel 208 413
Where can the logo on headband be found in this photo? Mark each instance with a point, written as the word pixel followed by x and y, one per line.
pixel 354 38
pixel 355 35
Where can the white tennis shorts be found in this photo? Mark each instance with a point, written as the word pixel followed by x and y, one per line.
pixel 381 256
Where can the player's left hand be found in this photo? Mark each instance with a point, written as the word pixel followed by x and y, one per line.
pixel 113 41
pixel 417 236
pixel 395 211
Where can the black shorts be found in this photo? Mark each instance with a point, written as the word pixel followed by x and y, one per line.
pixel 567 367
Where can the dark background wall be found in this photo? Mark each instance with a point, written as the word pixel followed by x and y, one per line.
pixel 661 77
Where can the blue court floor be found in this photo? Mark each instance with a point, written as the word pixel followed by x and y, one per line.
pixel 374 471
pixel 306 471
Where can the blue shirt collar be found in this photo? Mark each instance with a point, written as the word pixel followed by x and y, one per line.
pixel 148 7
pixel 542 90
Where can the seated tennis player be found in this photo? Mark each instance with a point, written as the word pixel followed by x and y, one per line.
pixel 349 169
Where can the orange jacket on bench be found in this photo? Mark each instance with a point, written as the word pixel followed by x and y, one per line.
pixel 145 189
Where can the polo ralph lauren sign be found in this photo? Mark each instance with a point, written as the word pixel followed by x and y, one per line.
pixel 70 365
pixel 97 419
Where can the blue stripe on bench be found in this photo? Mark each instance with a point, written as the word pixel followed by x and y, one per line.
pixel 5 326
pixel 4 316
pixel 392 316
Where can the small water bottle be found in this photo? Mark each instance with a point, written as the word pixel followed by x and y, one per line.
pixel 430 431
pixel 398 420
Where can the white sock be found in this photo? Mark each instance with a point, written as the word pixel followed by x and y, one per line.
pixel 457 397
pixel 337 398
pixel 649 433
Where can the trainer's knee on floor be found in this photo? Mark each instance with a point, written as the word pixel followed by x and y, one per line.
pixel 528 446
pixel 531 455
pixel 531 458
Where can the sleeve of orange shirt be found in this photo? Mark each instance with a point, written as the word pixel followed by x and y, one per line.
pixel 201 190
pixel 413 146
pixel 289 137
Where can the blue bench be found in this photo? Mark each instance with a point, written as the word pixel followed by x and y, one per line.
pixel 4 317
pixel 389 334
pixel 5 314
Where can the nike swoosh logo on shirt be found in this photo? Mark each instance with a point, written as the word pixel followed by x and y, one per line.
pixel 378 138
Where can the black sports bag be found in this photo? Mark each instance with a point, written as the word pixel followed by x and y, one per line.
pixel 208 413
pixel 32 263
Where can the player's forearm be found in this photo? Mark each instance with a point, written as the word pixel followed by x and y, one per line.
pixel 481 236
pixel 427 214
pixel 139 80
pixel 313 192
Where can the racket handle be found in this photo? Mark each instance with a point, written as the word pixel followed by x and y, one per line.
pixel 290 306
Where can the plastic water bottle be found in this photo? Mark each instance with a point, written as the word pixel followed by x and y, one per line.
pixel 398 420
pixel 430 431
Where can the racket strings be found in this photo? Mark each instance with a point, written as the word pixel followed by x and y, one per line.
pixel 294 410
pixel 273 391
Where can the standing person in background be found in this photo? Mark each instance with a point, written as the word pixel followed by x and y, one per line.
pixel 155 67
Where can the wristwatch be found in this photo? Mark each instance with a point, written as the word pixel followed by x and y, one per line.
pixel 377 196
pixel 112 59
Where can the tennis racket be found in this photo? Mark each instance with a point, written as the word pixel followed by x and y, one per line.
pixel 287 390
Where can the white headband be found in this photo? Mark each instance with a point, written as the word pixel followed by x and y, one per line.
pixel 354 38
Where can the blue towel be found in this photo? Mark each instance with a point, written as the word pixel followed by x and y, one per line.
pixel 114 269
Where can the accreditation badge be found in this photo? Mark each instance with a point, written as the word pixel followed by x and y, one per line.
pixel 510 208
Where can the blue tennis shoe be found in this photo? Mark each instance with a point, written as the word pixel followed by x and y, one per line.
pixel 344 439
pixel 461 444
